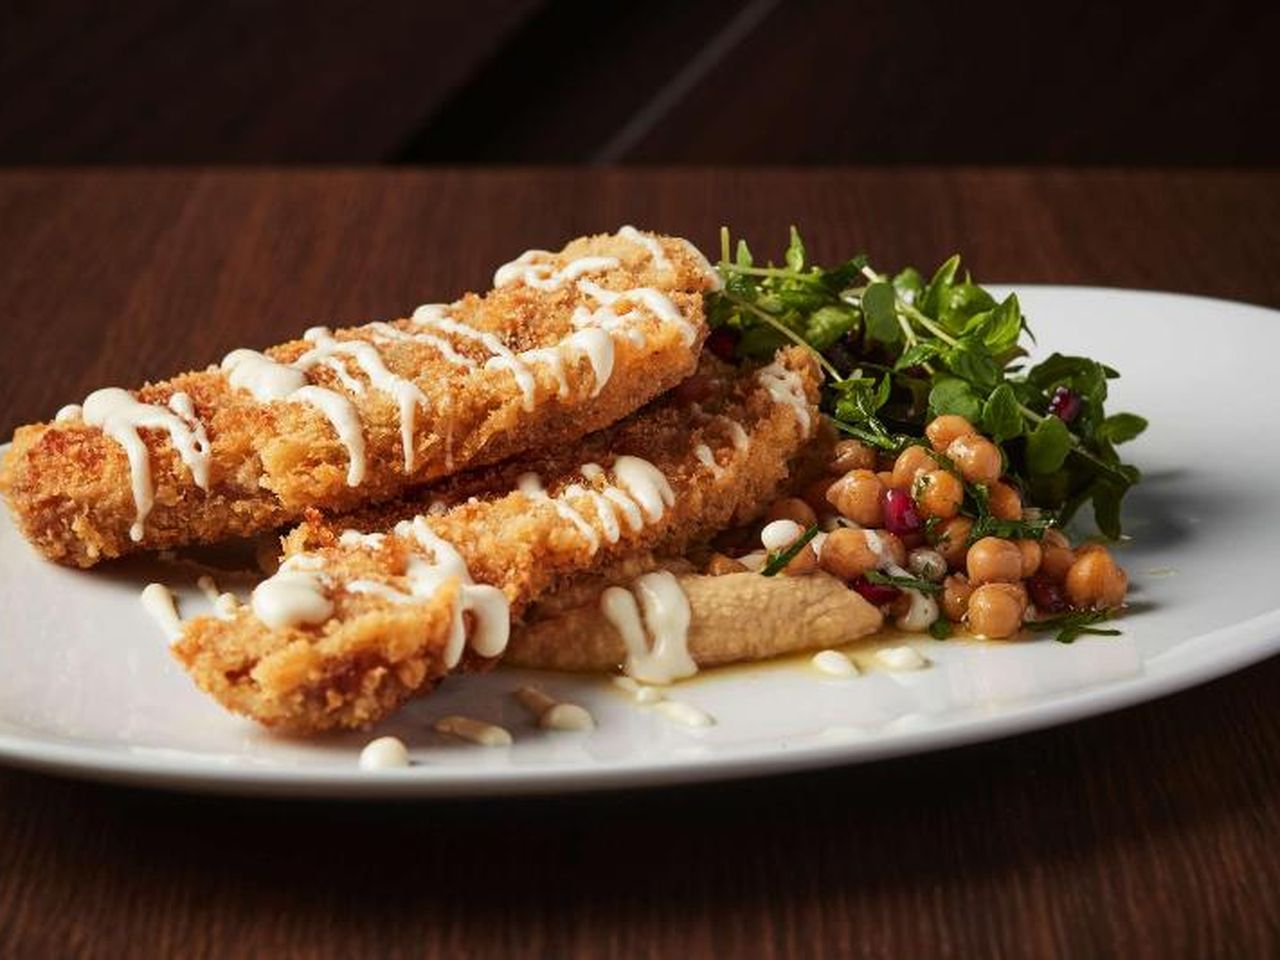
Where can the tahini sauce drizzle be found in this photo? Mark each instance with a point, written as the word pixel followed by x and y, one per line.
pixel 655 630
pixel 120 415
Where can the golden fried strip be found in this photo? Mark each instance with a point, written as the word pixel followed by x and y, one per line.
pixel 341 419
pixel 733 618
pixel 387 623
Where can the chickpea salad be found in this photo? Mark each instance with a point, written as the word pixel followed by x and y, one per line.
pixel 958 463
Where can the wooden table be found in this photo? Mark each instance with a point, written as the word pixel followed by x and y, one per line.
pixel 1153 832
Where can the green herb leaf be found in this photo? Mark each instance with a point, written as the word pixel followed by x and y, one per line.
pixel 999 328
pixel 828 324
pixel 941 629
pixel 930 302
pixel 1001 416
pixel 953 395
pixel 795 251
pixel 1077 623
pixel 1048 446
pixel 1121 427
pixel 778 562
pixel 921 353
pixel 879 306
pixel 903 583
pixel 909 284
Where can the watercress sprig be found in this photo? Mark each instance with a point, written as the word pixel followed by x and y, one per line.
pixel 898 350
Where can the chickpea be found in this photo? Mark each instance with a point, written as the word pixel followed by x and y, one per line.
pixel 1005 501
pixel 846 554
pixel 719 565
pixel 946 428
pixel 792 508
pixel 852 455
pixel 995 612
pixel 857 496
pixel 993 560
pixel 977 458
pixel 815 494
pixel 939 494
pixel 927 563
pixel 911 462
pixel 1096 580
pixel 892 547
pixel 1055 538
pixel 956 591
pixel 1032 556
pixel 803 563
pixel 1055 559
pixel 953 540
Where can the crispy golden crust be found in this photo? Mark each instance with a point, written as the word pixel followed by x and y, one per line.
pixel 68 484
pixel 373 653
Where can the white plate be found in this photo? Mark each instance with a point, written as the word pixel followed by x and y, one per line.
pixel 87 687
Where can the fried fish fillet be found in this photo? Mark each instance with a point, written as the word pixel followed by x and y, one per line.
pixel 565 344
pixel 370 609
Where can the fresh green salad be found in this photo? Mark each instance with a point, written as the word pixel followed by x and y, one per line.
pixel 899 350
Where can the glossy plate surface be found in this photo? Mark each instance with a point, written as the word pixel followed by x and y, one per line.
pixel 88 689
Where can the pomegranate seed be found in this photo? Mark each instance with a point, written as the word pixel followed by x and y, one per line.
pixel 1046 595
pixel 1065 404
pixel 723 342
pixel 877 594
pixel 900 516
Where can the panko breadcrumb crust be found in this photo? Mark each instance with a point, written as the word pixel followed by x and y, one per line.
pixel 68 484
pixel 373 654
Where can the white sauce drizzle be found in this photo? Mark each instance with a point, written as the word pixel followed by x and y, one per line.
pixel 68 414
pixel 901 658
pixel 553 714
pixel 406 393
pixel 531 486
pixel 655 630
pixel 224 604
pixel 785 386
pixel 267 380
pixel 120 415
pixel 708 460
pixel 158 601
pixel 714 280
pixel 659 304
pixel 833 663
pixel 298 593
pixel 487 605
pixel 780 534
pixel 639 692
pixel 385 333
pixel 684 713
pixel 646 485
pixel 642 491
pixel 294 595
pixel 923 610
pixel 501 357
pixel 660 261
pixel 384 753
pixel 473 731
pixel 527 269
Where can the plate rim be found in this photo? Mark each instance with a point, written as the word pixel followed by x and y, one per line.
pixel 1234 647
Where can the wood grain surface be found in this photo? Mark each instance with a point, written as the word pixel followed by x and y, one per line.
pixel 1154 832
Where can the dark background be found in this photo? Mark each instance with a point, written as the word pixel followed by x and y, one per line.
pixel 553 81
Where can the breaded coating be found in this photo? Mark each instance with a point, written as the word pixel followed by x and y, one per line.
pixel 345 418
pixel 388 604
